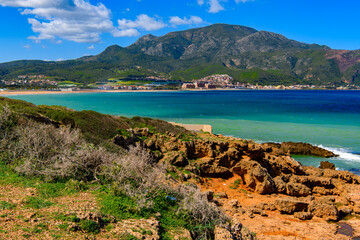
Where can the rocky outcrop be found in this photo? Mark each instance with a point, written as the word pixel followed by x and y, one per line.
pixel 299 148
pixel 262 168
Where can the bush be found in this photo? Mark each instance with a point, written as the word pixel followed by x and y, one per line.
pixel 202 216
pixel 55 153
pixel 136 175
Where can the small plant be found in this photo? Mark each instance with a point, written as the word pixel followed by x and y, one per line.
pixel 236 184
pixel 63 226
pixel 75 185
pixel 6 205
pixel 90 226
pixel 128 236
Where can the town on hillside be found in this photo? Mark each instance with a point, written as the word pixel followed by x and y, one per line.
pixel 213 82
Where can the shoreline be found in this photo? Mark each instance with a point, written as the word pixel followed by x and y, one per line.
pixel 43 92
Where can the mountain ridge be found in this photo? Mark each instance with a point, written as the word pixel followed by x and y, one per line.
pixel 247 54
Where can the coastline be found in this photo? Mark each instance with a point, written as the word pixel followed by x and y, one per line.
pixel 42 92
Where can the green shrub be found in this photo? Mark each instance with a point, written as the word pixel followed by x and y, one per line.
pixel 90 226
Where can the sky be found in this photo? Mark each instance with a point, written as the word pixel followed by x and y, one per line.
pixel 68 29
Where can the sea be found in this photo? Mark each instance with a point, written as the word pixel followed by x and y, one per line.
pixel 325 118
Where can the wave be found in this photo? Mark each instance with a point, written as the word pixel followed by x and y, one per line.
pixel 344 154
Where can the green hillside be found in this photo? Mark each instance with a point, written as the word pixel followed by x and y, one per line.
pixel 245 53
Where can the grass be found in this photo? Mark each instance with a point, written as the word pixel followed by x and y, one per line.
pixel 90 226
pixel 37 203
pixel 6 205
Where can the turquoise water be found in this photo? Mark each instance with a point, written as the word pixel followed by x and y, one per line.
pixel 326 118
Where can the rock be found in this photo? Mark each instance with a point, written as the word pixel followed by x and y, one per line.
pixel 240 232
pixel 306 149
pixel 222 195
pixel 324 209
pixel 259 212
pixel 221 233
pixel 266 206
pixel 255 176
pixel 179 161
pixel 179 234
pixel 280 185
pixel 297 189
pixel 288 206
pixel 327 165
pixel 147 229
pixel 234 203
pixel 345 210
pixel 303 215
pixel 356 209
pixel 209 195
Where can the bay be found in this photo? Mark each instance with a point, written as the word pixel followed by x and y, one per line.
pixel 330 119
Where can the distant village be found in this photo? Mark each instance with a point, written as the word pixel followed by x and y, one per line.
pixel 216 81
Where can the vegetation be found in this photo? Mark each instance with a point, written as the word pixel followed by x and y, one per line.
pixel 248 55
pixel 50 150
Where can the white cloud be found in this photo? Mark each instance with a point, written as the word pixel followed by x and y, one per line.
pixel 243 1
pixel 27 46
pixel 91 47
pixel 32 3
pixel 215 6
pixel 73 20
pixel 185 21
pixel 143 22
pixel 200 2
pixel 125 33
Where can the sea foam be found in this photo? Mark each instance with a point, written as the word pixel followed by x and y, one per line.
pixel 344 154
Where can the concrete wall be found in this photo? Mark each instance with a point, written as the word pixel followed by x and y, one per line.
pixel 195 127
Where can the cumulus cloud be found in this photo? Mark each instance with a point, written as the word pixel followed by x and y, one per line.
pixel 215 6
pixel 131 28
pixel 200 2
pixel 83 22
pixel 142 21
pixel 91 47
pixel 73 20
pixel 125 33
pixel 186 21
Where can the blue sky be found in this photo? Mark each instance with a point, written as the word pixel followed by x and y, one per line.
pixel 66 29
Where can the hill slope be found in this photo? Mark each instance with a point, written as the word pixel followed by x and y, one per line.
pixel 245 53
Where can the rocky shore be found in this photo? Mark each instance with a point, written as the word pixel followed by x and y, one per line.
pixel 260 185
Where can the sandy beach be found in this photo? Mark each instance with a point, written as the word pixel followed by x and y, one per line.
pixel 38 92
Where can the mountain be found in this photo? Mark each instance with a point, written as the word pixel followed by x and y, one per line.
pixel 243 52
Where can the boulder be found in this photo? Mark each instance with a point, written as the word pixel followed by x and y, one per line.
pixel 327 165
pixel 255 176
pixel 303 215
pixel 297 189
pixel 324 209
pixel 288 206
pixel 240 232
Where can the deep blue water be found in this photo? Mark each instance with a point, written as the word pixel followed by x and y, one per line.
pixel 327 118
